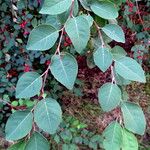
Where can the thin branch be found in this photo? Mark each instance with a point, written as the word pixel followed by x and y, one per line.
pixel 138 11
pixel 113 75
pixel 99 34
pixel 60 40
pixel 71 10
pixel 45 74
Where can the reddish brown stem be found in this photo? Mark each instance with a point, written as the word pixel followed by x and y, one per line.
pixel 60 40
pixel 99 34
pixel 71 10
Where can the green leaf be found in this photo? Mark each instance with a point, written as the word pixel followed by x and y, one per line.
pixel 54 7
pixel 120 80
pixel 42 37
pixel 113 136
pixel 48 115
pixel 18 125
pixel 64 68
pixel 134 118
pixel 54 21
pixel 118 52
pixel 28 85
pixel 103 58
pixel 18 146
pixel 129 141
pixel 129 69
pixel 109 96
pixel 89 19
pixel 85 4
pixel 78 30
pixel 105 10
pixel 115 32
pixel 66 135
pixel 37 142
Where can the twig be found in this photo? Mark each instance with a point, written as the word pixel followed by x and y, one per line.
pixel 60 40
pixel 138 11
pixel 45 74
pixel 113 75
pixel 71 10
pixel 99 34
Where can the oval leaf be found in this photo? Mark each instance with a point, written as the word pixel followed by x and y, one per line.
pixel 118 52
pixel 78 30
pixel 64 68
pixel 109 96
pixel 105 10
pixel 89 19
pixel 129 141
pixel 54 7
pixel 28 85
pixel 103 58
pixel 18 125
pixel 129 69
pixel 113 136
pixel 48 115
pixel 134 118
pixel 115 32
pixel 37 142
pixel 42 38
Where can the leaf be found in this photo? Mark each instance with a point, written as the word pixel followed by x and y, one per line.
pixel 129 141
pixel 89 19
pixel 19 124
pixel 54 21
pixel 37 142
pixel 118 52
pixel 29 84
pixel 113 136
pixel 109 96
pixel 78 30
pixel 105 10
pixel 129 69
pixel 115 32
pixel 120 80
pixel 48 115
pixel 54 7
pixel 42 37
pixel 134 118
pixel 18 146
pixel 64 68
pixel 85 4
pixel 103 58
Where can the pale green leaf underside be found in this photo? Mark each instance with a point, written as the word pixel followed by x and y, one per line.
pixel 113 136
pixel 134 118
pixel 89 19
pixel 18 125
pixel 129 69
pixel 103 58
pixel 115 32
pixel 78 30
pixel 64 68
pixel 129 141
pixel 42 37
pixel 105 10
pixel 54 7
pixel 48 115
pixel 118 52
pixel 28 85
pixel 37 142
pixel 109 96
